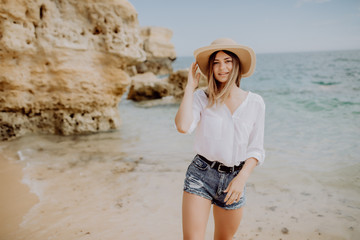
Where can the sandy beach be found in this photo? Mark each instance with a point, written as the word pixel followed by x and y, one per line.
pixel 15 199
pixel 125 198
pixel 82 159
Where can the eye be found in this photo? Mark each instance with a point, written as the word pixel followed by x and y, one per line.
pixel 216 63
pixel 228 61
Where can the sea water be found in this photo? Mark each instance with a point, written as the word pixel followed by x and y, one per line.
pixel 312 126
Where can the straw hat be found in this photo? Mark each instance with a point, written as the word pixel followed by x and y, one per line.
pixel 244 53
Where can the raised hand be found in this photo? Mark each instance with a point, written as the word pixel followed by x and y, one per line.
pixel 193 76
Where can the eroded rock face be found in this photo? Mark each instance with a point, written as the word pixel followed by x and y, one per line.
pixel 147 87
pixel 62 64
pixel 178 81
pixel 160 52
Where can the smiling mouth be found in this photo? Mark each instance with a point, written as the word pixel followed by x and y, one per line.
pixel 223 74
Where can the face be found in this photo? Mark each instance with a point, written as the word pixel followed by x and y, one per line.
pixel 222 67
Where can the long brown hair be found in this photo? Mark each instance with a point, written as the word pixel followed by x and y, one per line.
pixel 215 91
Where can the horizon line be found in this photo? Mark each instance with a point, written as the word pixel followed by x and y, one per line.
pixel 299 51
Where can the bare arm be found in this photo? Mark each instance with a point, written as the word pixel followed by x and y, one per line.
pixel 184 116
pixel 255 156
pixel 236 186
pixel 247 169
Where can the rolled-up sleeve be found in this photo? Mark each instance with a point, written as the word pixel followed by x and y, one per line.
pixel 196 108
pixel 256 140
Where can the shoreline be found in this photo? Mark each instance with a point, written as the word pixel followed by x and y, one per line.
pixel 108 199
pixel 15 199
pixel 118 185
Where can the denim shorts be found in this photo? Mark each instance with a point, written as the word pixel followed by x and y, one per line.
pixel 208 183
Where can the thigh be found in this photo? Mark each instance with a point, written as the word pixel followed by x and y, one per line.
pixel 226 222
pixel 195 215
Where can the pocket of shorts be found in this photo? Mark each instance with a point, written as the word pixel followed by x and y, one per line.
pixel 200 164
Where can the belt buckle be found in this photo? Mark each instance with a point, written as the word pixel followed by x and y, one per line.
pixel 219 170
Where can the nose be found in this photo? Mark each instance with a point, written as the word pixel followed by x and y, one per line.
pixel 222 66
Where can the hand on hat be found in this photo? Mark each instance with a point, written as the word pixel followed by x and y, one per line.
pixel 193 76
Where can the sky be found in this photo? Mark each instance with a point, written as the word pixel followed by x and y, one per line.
pixel 266 26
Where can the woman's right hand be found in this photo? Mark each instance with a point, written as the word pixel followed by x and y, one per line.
pixel 184 116
pixel 193 77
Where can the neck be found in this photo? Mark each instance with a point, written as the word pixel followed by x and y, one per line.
pixel 235 91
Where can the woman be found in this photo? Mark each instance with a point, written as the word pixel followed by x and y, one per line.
pixel 229 138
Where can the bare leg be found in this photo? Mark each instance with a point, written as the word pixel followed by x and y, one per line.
pixel 195 215
pixel 226 222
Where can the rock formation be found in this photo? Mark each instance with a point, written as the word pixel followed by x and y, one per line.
pixel 160 52
pixel 62 64
pixel 148 87
pixel 178 80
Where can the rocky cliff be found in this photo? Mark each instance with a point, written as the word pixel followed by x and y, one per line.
pixel 160 52
pixel 62 64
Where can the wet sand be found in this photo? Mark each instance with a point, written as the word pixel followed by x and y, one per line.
pixel 15 198
pixel 136 199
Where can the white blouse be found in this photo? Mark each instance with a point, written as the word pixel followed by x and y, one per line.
pixel 229 139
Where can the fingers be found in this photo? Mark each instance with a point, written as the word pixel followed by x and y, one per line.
pixel 197 76
pixel 194 76
pixel 238 197
pixel 232 197
pixel 229 194
pixel 194 68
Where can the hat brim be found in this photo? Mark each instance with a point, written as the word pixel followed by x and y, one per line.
pixel 245 54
